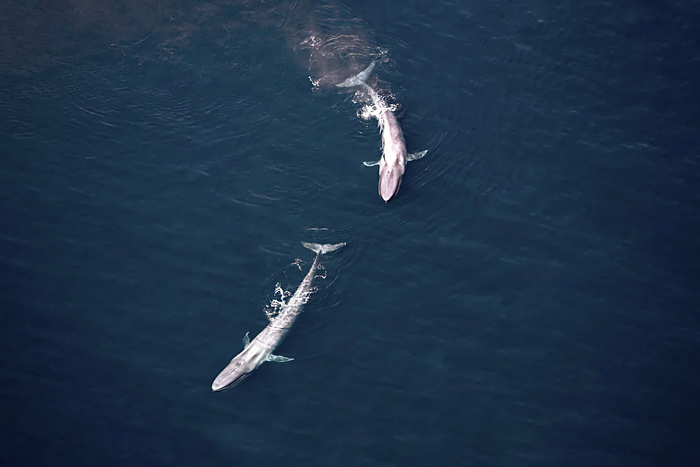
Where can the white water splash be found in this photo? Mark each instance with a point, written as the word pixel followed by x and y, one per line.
pixel 277 304
pixel 370 111
pixel 298 262
pixel 281 296
pixel 312 41
pixel 321 267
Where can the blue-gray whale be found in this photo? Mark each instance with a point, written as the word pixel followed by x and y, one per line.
pixel 394 156
pixel 259 350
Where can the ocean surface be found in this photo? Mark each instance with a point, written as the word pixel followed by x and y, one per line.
pixel 529 298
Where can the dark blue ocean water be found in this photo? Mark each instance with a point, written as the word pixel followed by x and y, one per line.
pixel 529 298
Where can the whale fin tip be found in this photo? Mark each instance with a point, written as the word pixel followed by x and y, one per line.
pixel 279 358
pixel 416 155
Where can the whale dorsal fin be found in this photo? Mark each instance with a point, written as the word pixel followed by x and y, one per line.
pixel 278 358
pixel 246 341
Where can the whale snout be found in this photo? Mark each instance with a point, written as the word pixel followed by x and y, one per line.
pixel 389 183
pixel 234 373
pixel 217 386
pixel 227 383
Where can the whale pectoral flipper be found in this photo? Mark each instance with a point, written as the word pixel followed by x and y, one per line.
pixel 416 155
pixel 278 358
pixel 371 164
pixel 246 341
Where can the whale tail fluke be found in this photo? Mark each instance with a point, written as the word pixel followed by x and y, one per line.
pixel 321 249
pixel 359 78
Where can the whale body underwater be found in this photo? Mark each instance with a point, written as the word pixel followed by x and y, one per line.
pixel 259 350
pixel 392 164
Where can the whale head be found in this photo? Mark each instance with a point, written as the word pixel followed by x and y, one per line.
pixel 236 371
pixel 389 180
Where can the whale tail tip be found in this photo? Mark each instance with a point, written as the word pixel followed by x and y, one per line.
pixel 323 248
pixel 359 78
